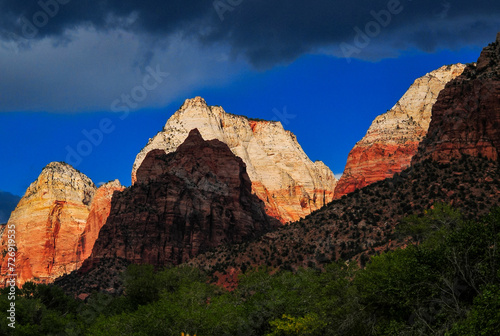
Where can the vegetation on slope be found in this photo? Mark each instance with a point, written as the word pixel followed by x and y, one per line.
pixel 446 283
pixel 361 224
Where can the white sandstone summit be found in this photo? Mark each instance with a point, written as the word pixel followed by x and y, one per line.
pixel 290 184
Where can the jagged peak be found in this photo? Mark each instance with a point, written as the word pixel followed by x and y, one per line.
pixel 112 184
pixel 63 167
pixel 193 102
pixel 274 159
pixel 194 138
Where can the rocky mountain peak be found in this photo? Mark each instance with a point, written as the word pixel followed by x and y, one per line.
pixel 48 220
pixel 466 116
pixel 59 180
pixel 194 139
pixel 393 137
pixel 183 203
pixel 282 175
pixel 196 102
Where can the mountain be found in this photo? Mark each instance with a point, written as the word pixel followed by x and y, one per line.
pixel 48 220
pixel 289 183
pixel 8 203
pixel 362 223
pixel 466 117
pixel 393 138
pixel 182 204
pixel 57 222
pixel 457 163
pixel 98 215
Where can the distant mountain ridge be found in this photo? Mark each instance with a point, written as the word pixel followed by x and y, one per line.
pixel 8 203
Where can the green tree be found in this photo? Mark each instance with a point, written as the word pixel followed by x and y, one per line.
pixel 484 317
pixel 287 325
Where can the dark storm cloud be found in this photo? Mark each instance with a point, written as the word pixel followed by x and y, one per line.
pixel 269 31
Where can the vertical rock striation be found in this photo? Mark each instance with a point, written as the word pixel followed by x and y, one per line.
pixel 99 212
pixel 48 221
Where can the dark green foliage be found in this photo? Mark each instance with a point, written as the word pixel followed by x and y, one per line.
pixel 142 286
pixel 484 317
pixel 445 284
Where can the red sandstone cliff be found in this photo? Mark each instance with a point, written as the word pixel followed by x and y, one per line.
pixel 99 212
pixel 393 138
pixel 48 221
pixel 182 204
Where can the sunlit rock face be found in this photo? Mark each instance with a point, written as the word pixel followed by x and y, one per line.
pixel 393 138
pixel 289 183
pixel 99 212
pixel 48 222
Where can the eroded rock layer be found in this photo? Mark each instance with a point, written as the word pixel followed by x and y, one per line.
pixel 393 138
pixel 99 212
pixel 183 203
pixel 48 221
pixel 291 185
pixel 466 117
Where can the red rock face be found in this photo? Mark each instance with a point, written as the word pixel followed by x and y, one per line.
pixel 282 175
pixel 99 212
pixel 393 138
pixel 182 204
pixel 466 117
pixel 378 162
pixel 48 221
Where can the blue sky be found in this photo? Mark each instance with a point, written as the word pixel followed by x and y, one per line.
pixel 331 104
pixel 63 82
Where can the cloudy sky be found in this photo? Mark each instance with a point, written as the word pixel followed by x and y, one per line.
pixel 324 68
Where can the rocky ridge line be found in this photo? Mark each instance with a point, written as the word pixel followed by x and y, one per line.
pixel 182 204
pixel 282 175
pixel 393 138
